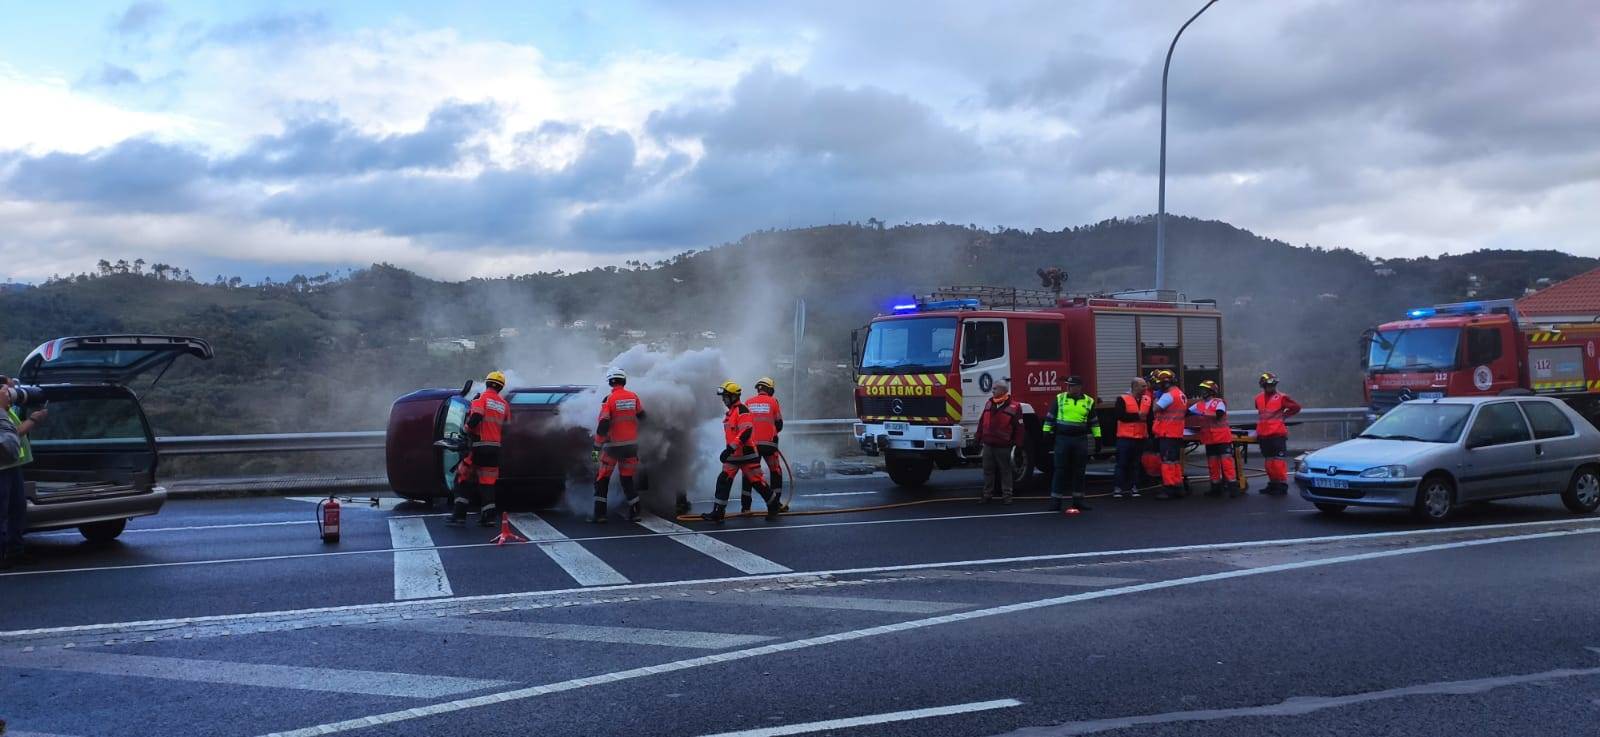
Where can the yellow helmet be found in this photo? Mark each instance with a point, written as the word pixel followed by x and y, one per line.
pixel 1164 376
pixel 729 387
pixel 1210 386
pixel 767 383
pixel 495 377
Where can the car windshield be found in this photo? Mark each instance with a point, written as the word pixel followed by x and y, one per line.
pixel 1413 349
pixel 1424 421
pixel 909 345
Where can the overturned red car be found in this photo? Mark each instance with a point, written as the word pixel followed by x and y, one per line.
pixel 538 457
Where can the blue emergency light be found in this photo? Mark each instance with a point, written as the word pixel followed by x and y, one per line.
pixel 900 309
pixel 1421 312
pixel 953 304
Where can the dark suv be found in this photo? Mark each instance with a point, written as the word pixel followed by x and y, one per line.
pixel 94 458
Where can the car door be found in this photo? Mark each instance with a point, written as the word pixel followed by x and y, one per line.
pixel 1500 454
pixel 1557 446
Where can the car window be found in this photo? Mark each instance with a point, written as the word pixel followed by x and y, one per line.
pixel 1044 341
pixel 455 415
pixel 985 340
pixel 91 418
pixel 1483 345
pixel 538 399
pixel 1498 424
pixel 1548 420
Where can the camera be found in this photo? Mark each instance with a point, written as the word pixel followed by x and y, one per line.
pixel 23 395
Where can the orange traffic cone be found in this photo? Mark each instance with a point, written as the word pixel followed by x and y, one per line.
pixel 507 535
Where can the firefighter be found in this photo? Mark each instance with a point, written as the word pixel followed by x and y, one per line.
pixel 1073 423
pixel 739 457
pixel 767 418
pixel 1150 459
pixel 480 469
pixel 1168 410
pixel 1217 437
pixel 1133 428
pixel 1272 408
pixel 616 445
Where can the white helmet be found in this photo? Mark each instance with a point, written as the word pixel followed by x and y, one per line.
pixel 614 374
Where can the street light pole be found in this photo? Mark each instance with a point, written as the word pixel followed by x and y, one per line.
pixel 1161 197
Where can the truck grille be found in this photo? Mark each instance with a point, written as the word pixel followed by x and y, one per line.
pixel 1386 399
pixel 914 408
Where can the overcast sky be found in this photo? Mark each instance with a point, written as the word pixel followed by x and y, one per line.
pixel 487 138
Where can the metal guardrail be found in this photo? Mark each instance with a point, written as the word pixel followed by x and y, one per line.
pixel 306 442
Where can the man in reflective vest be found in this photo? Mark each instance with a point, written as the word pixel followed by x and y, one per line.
pixel 1217 437
pixel 616 445
pixel 1272 433
pixel 1000 431
pixel 15 452
pixel 739 457
pixel 480 470
pixel 1072 421
pixel 1169 411
pixel 1133 428
pixel 767 418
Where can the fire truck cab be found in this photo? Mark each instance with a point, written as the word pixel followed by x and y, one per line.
pixel 925 370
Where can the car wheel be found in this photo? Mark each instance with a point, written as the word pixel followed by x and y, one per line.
pixel 103 532
pixel 1330 508
pixel 1436 499
pixel 908 473
pixel 1583 492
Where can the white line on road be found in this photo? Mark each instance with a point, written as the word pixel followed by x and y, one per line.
pixel 844 493
pixel 850 603
pixel 583 566
pixel 418 573
pixel 374 683
pixel 449 707
pixel 576 632
pixel 485 598
pixel 743 560
pixel 863 721
pixel 1054 579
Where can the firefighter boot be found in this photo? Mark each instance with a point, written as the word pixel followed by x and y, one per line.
pixel 717 513
pixel 489 516
pixel 458 513
pixel 1079 504
pixel 1236 489
pixel 774 506
pixel 599 515
pixel 1215 490
pixel 1055 504
pixel 683 504
pixel 632 510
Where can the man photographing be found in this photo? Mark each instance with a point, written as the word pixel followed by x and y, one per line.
pixel 14 454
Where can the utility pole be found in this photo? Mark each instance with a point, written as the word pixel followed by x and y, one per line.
pixel 1161 196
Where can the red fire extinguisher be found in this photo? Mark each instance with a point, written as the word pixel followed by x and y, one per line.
pixel 328 519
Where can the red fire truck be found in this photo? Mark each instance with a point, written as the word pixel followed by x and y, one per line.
pixel 924 371
pixel 1485 348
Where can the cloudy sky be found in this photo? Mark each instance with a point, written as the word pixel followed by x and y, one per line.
pixel 486 138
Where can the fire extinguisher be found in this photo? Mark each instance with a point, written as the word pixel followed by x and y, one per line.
pixel 328 519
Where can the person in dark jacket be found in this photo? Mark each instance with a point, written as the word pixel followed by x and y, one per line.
pixel 1000 431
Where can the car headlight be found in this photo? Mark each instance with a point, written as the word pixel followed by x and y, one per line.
pixel 1300 464
pixel 1384 472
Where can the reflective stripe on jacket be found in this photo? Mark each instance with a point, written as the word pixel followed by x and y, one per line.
pixel 1214 428
pixel 766 416
pixel 619 419
pixel 1271 411
pixel 1169 420
pixel 14 448
pixel 1073 416
pixel 1133 417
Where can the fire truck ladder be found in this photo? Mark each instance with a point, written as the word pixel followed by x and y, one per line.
pixel 996 298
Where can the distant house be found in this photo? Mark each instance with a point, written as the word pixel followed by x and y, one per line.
pixel 1383 271
pixel 634 334
pixel 509 332
pixel 578 324
pixel 1241 301
pixel 1328 297
pixel 452 345
pixel 602 325
pixel 708 334
pixel 1574 300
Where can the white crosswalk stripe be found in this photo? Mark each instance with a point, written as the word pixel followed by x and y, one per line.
pixel 743 560
pixel 374 683
pixel 418 574
pixel 577 632
pixel 585 567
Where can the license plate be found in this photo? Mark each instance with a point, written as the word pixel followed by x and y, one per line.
pixel 896 427
pixel 1330 483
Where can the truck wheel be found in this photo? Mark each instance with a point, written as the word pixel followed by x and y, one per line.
pixel 1021 467
pixel 1583 492
pixel 103 532
pixel 909 473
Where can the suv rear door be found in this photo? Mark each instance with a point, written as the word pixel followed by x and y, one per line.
pixel 107 359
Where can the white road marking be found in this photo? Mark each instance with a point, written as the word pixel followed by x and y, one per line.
pixel 743 560
pixel 577 632
pixel 418 573
pixel 843 493
pixel 583 566
pixel 449 707
pixel 823 601
pixel 373 683
pixel 486 598
pixel 15 733
pixel 863 721
pixel 1054 579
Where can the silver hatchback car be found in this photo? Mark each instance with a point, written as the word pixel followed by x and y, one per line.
pixel 1433 455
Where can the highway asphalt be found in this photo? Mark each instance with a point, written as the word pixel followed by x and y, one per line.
pixel 1143 617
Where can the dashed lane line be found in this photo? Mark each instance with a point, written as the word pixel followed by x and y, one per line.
pixel 871 719
pixel 576 632
pixel 583 566
pixel 490 600
pixel 418 571
pixel 740 559
pixel 520 694
pixel 371 683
